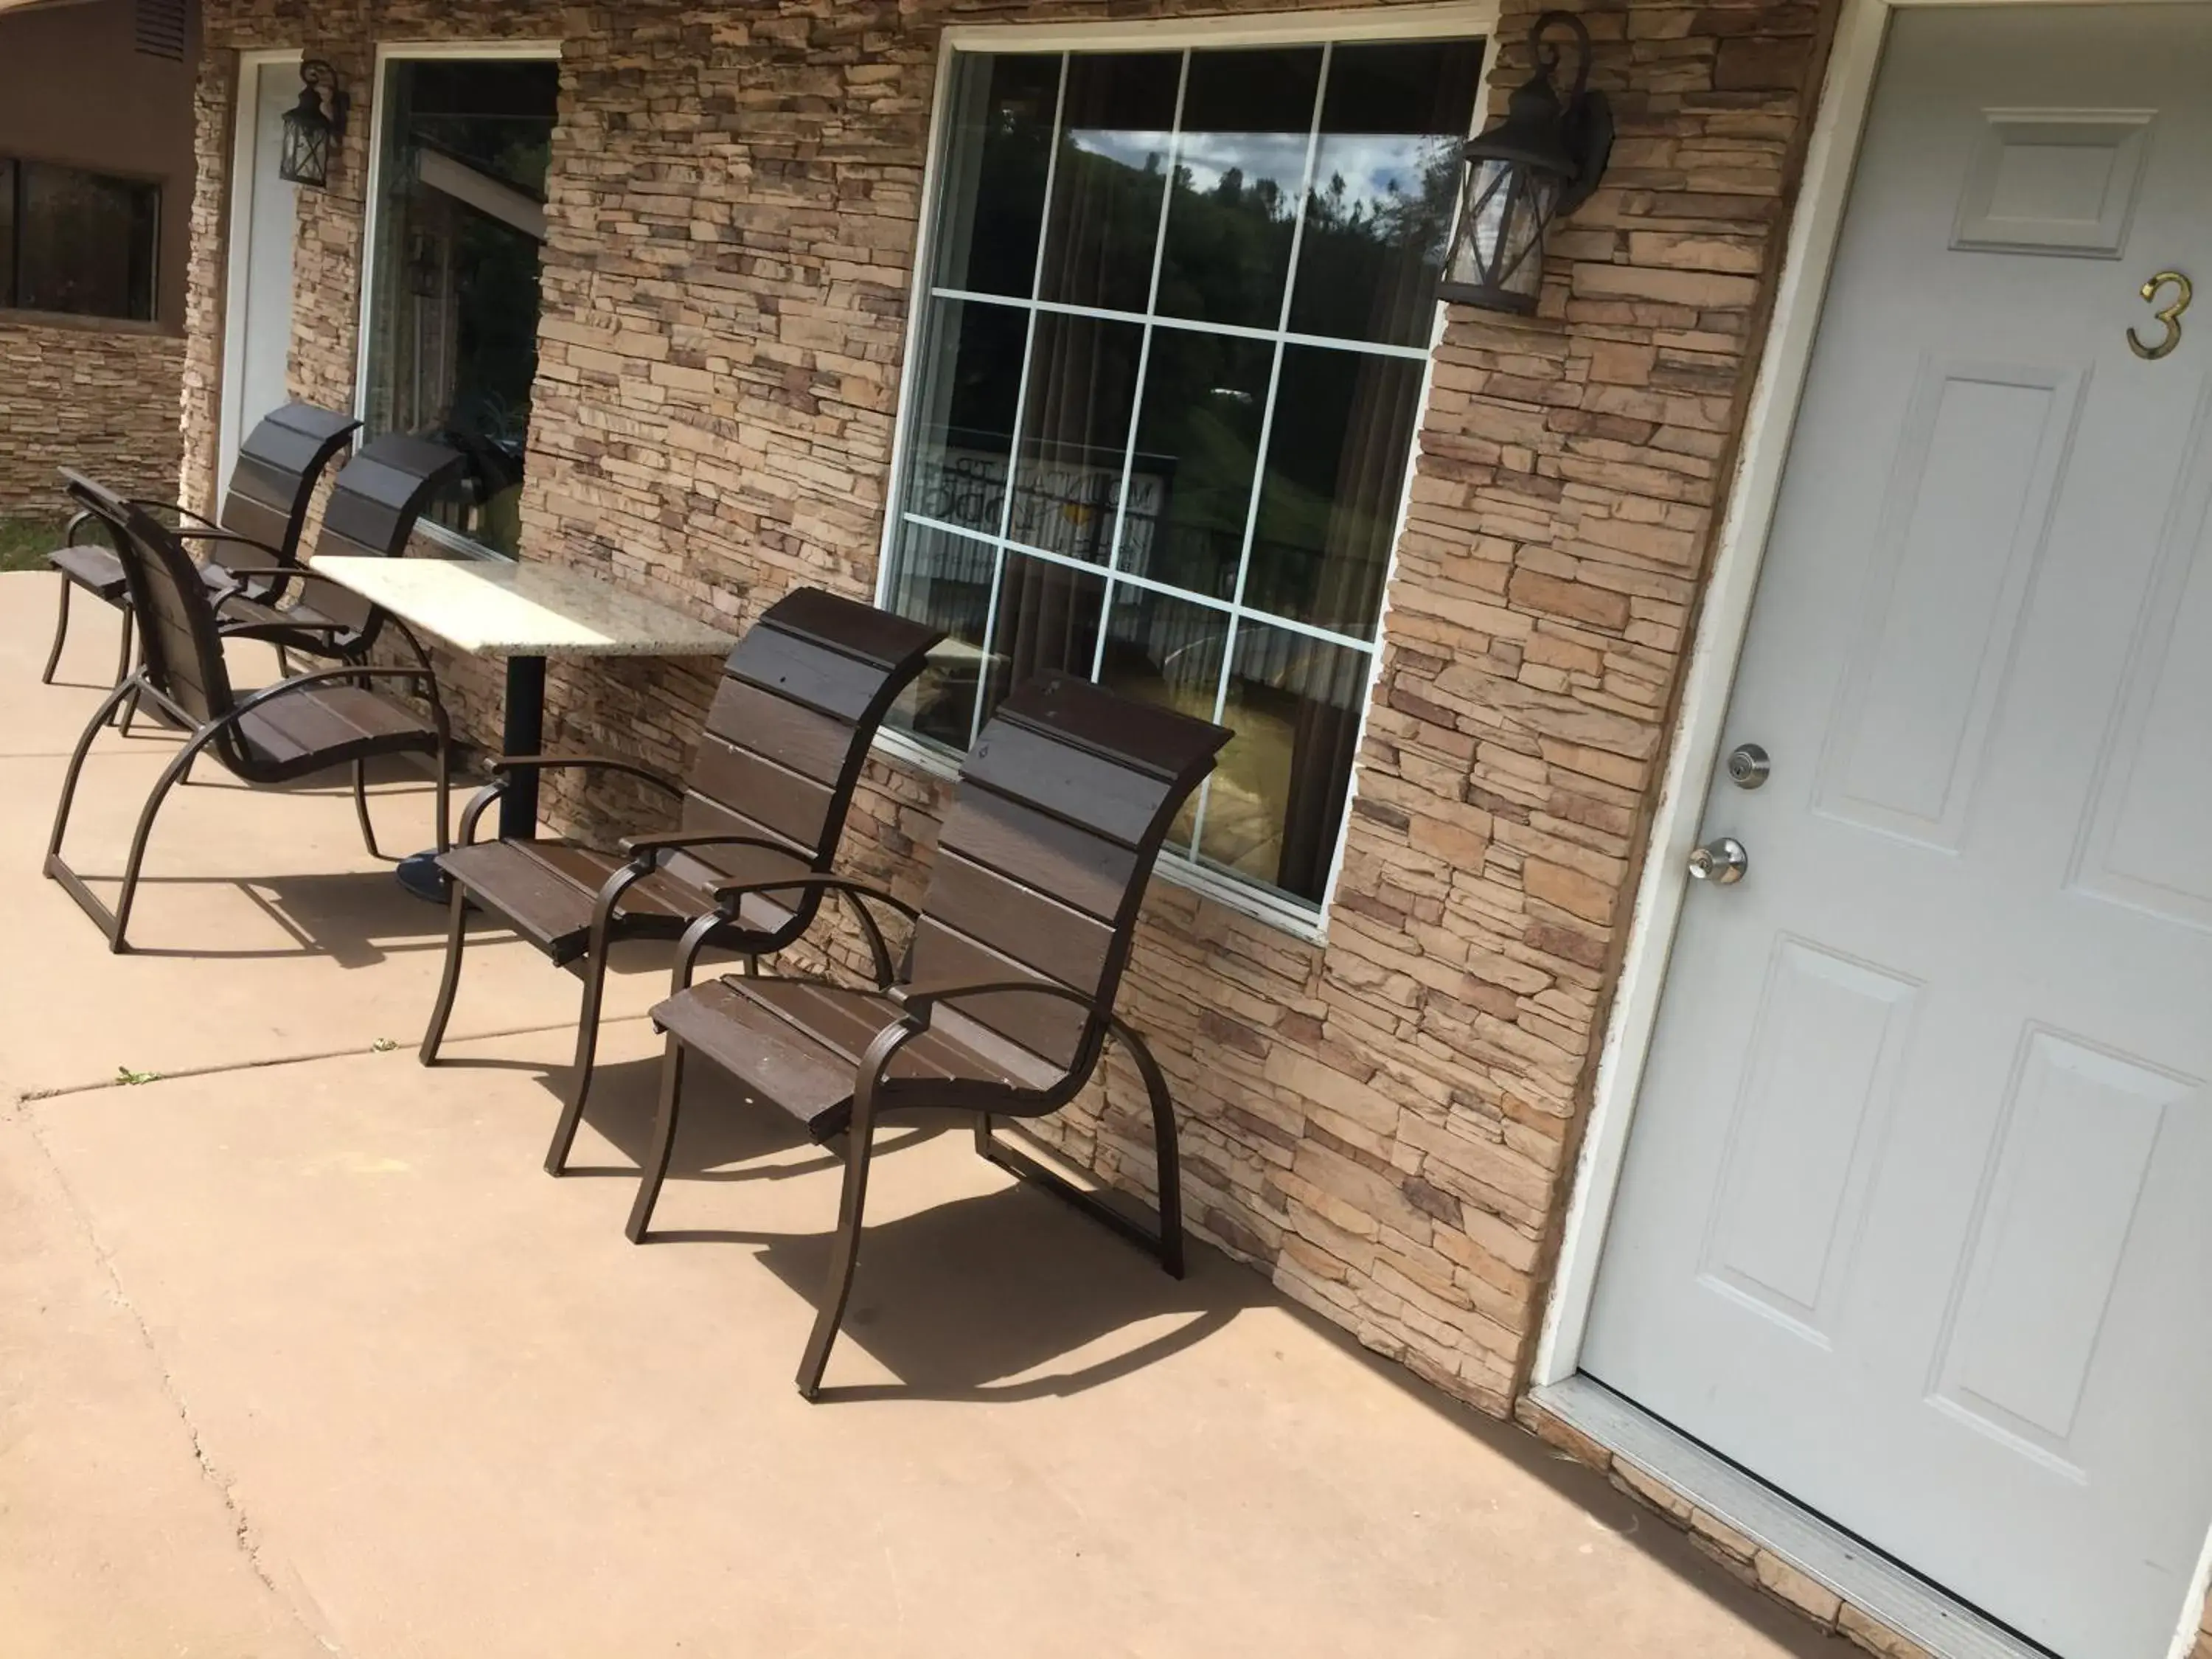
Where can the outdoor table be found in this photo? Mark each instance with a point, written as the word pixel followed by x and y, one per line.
pixel 524 613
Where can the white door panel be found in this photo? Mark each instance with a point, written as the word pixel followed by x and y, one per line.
pixel 1914 1219
pixel 264 226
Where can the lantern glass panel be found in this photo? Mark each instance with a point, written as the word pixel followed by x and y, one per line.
pixel 1499 260
pixel 306 156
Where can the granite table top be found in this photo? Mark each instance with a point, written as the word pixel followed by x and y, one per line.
pixel 489 609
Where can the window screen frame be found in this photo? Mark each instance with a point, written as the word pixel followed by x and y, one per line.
pixel 1458 20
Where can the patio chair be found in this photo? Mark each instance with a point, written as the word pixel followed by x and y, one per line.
pixel 800 699
pixel 376 501
pixel 293 729
pixel 264 511
pixel 1007 995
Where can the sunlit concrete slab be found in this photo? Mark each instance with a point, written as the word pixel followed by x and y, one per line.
pixel 263 930
pixel 116 1540
pixel 457 1412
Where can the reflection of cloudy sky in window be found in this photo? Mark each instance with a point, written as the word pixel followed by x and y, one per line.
pixel 1277 156
pixel 1373 167
pixel 1130 149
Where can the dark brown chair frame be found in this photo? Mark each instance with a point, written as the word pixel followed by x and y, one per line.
pixel 179 619
pixel 377 498
pixel 1054 740
pixel 833 661
pixel 264 509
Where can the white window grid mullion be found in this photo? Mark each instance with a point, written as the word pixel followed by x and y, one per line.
pixel 1021 401
pixel 1188 325
pixel 1144 366
pixel 1266 431
pixel 1149 584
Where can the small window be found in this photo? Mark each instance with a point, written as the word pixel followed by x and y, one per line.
pixel 77 242
pixel 1165 397
pixel 452 315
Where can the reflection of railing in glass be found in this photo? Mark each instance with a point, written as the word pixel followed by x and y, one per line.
pixel 1067 507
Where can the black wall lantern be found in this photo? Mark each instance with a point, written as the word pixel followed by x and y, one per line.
pixel 1538 163
pixel 310 128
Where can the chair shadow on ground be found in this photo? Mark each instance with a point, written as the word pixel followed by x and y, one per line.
pixel 973 1299
pixel 357 918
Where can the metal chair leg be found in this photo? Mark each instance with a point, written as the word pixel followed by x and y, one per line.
pixel 844 1255
pixel 1165 1153
pixel 587 1048
pixel 360 807
pixel 139 836
pixel 123 671
pixel 61 633
pixel 442 797
pixel 457 935
pixel 655 1169
pixel 99 718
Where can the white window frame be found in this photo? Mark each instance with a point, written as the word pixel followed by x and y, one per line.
pixel 1458 19
pixel 389 53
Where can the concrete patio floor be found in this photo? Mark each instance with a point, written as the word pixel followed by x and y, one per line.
pixel 301 1353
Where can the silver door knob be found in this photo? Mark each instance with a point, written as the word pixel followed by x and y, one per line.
pixel 1722 862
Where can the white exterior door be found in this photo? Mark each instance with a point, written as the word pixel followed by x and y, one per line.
pixel 1916 1221
pixel 258 330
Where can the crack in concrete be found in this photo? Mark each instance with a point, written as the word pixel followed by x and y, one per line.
pixel 215 1068
pixel 242 1532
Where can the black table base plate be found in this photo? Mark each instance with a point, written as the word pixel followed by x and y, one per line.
pixel 418 873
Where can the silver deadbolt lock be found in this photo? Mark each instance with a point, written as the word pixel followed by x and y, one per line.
pixel 1748 766
pixel 1722 862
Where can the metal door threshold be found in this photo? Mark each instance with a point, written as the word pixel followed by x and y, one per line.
pixel 1864 1577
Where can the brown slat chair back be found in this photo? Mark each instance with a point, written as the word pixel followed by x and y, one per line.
pixel 278 466
pixel 788 732
pixel 1043 861
pixel 376 501
pixel 180 648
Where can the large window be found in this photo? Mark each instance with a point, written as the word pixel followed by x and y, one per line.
pixel 77 242
pixel 1173 336
pixel 452 326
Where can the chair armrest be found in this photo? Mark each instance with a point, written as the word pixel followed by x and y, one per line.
pixel 194 533
pixel 583 762
pixel 268 630
pixel 820 882
pixel 298 682
pixel 152 504
pixel 856 894
pixel 675 840
pixel 919 1003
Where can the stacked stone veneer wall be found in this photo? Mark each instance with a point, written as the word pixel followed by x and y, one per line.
pixel 1384 1122
pixel 103 400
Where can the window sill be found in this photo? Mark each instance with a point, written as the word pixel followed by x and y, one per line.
pixel 78 322
pixel 1310 925
pixel 461 546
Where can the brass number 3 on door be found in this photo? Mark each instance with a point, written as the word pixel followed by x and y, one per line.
pixel 2171 315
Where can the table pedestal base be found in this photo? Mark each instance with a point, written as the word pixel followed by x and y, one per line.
pixel 525 732
pixel 418 873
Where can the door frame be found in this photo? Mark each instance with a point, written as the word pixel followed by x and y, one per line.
pixel 238 237
pixel 1722 629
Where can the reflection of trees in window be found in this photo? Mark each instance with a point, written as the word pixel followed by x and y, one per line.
pixel 1174 462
